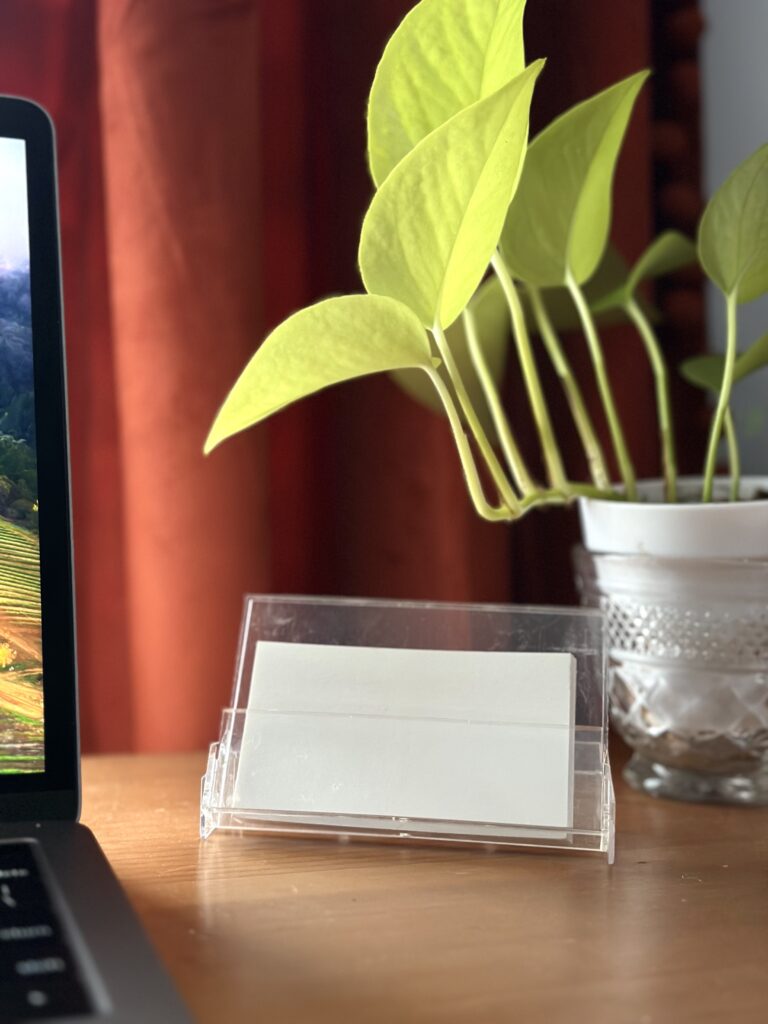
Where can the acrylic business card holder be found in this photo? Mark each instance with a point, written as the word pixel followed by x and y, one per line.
pixel 419 626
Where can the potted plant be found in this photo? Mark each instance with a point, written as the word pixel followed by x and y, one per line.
pixel 473 230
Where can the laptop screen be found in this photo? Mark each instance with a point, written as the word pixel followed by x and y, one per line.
pixel 22 748
pixel 39 763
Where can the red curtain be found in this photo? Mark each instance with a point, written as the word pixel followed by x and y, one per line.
pixel 212 179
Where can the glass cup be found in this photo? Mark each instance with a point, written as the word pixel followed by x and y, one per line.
pixel 688 671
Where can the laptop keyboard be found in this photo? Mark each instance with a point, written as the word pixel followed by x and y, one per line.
pixel 39 978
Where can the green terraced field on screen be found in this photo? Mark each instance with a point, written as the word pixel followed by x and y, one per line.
pixel 21 703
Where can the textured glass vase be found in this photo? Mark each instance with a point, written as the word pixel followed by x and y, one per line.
pixel 688 674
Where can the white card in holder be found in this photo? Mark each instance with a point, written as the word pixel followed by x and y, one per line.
pixel 388 732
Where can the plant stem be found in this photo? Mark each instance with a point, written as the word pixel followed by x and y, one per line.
pixel 509 446
pixel 505 489
pixel 661 378
pixel 552 497
pixel 552 458
pixel 734 459
pixel 592 448
pixel 474 484
pixel 604 386
pixel 588 491
pixel 545 497
pixel 724 397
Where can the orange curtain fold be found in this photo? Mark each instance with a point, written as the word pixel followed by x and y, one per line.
pixel 181 161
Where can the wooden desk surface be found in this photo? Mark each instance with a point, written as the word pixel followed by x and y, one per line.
pixel 293 930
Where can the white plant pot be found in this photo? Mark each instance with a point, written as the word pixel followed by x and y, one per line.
pixel 719 529
pixel 685 592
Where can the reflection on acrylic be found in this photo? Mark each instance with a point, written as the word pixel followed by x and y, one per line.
pixel 21 676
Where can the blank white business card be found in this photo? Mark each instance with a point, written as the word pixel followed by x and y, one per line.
pixel 462 736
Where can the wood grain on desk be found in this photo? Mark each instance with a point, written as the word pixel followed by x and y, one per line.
pixel 299 930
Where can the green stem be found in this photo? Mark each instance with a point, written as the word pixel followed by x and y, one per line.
pixel 509 446
pixel 505 489
pixel 552 458
pixel 587 491
pixel 474 484
pixel 724 397
pixel 734 458
pixel 663 405
pixel 545 497
pixel 604 386
pixel 552 497
pixel 592 448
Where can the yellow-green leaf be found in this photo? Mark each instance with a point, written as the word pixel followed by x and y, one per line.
pixel 493 325
pixel 444 56
pixel 670 251
pixel 755 358
pixel 559 220
pixel 704 372
pixel 733 234
pixel 336 340
pixel 707 371
pixel 432 227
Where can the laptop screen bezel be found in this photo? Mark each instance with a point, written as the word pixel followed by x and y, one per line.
pixel 55 792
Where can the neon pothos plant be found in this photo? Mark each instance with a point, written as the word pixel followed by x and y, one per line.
pixel 471 229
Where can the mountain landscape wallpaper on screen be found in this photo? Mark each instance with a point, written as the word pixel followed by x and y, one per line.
pixel 21 676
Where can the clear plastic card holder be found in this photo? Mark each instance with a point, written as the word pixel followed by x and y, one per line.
pixel 268 744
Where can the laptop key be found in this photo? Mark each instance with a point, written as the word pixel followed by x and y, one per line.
pixel 22 895
pixel 29 929
pixel 42 999
pixel 34 960
pixel 17 859
pixel 22 887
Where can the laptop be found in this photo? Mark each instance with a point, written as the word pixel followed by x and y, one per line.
pixel 71 948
